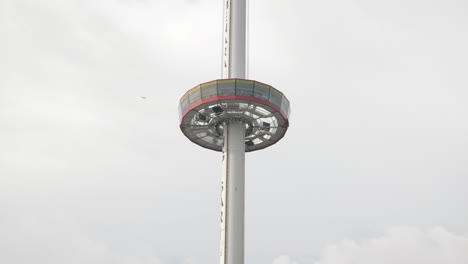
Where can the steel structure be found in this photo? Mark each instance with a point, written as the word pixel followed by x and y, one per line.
pixel 233 115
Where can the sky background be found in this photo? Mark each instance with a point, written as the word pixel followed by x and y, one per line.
pixel 373 169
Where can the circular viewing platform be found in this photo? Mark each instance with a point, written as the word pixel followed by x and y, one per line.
pixel 205 108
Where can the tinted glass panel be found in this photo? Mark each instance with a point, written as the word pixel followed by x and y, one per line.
pixel 226 88
pixel 194 95
pixel 184 104
pixel 209 90
pixel 285 106
pixel 275 97
pixel 261 91
pixel 244 88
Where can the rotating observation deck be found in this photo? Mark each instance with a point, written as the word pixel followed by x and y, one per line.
pixel 206 108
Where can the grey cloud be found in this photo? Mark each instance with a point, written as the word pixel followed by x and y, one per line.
pixel 403 245
pixel 284 259
pixel 399 244
pixel 378 133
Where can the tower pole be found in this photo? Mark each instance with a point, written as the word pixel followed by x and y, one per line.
pixel 234 39
pixel 234 116
pixel 233 180
pixel 232 241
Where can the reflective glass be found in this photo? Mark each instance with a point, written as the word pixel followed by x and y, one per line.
pixel 275 97
pixel 285 106
pixel 208 90
pixel 244 88
pixel 184 103
pixel 261 91
pixel 226 88
pixel 194 95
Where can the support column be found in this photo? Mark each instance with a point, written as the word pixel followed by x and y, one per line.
pixel 233 194
pixel 234 39
pixel 233 181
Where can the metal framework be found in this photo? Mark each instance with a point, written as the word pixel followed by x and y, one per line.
pixel 263 110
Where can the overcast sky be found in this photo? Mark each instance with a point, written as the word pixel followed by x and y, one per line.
pixel 373 169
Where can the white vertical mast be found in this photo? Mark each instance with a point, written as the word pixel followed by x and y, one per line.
pixel 233 180
pixel 220 105
pixel 232 237
pixel 234 39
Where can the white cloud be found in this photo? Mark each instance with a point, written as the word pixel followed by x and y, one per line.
pixel 378 131
pixel 402 245
pixel 58 239
pixel 284 259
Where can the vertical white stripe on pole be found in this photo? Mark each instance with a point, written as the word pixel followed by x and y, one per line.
pixel 226 39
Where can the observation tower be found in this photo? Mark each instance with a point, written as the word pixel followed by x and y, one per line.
pixel 233 115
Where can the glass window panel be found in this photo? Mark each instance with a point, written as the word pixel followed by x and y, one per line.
pixel 261 91
pixel 275 97
pixel 285 106
pixel 184 103
pixel 226 88
pixel 244 88
pixel 209 90
pixel 194 95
